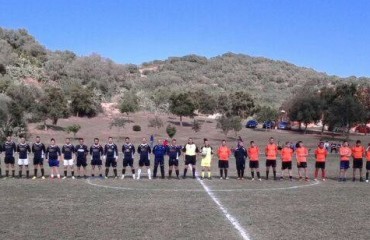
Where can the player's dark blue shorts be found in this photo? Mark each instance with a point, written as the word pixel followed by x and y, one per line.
pixel 144 162
pixel 81 162
pixel 53 163
pixel 111 162
pixel 96 162
pixel 128 162
pixel 173 162
pixel 9 160
pixel 38 161
pixel 344 165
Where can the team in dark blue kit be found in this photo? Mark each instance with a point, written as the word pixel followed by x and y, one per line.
pixel 110 155
pixel 52 155
pixel 81 151
pixel 96 152
pixel 9 148
pixel 144 150
pixel 23 149
pixel 174 152
pixel 128 150
pixel 68 151
pixel 38 150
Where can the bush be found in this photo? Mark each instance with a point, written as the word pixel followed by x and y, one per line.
pixel 196 126
pixel 73 129
pixel 171 130
pixel 118 123
pixel 136 128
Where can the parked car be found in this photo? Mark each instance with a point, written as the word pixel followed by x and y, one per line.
pixel 284 126
pixel 251 124
pixel 362 129
pixel 268 124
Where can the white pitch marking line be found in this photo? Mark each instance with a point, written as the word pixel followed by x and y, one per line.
pixel 201 190
pixel 231 219
pixel 267 189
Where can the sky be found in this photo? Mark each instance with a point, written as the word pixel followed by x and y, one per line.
pixel 331 36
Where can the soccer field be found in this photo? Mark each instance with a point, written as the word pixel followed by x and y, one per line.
pixel 185 209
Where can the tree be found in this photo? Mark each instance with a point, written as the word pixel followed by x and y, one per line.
pixel 305 110
pixel 161 99
pixel 346 111
pixel 73 129
pixel 344 106
pixel 23 96
pixel 363 94
pixel 171 130
pixel 118 123
pixel 242 104
pixel 326 95
pixel 236 124
pixel 196 126
pixel 224 104
pixel 129 103
pixel 205 103
pixel 155 122
pixel 225 124
pixel 266 114
pixel 11 119
pixel 181 105
pixel 84 102
pixel 53 105
pixel 56 67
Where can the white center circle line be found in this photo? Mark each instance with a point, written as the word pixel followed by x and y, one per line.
pixel 202 190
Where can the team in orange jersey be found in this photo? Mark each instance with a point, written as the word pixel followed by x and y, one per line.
pixel 320 155
pixel 301 156
pixel 254 155
pixel 367 162
pixel 358 152
pixel 345 154
pixel 271 152
pixel 286 160
pixel 224 154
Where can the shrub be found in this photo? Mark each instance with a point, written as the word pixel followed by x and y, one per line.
pixel 136 128
pixel 171 130
pixel 73 129
pixel 196 126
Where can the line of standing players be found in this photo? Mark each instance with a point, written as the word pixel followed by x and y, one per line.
pixel 73 156
pixel 69 153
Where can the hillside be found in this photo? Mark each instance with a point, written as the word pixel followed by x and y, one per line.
pixel 269 82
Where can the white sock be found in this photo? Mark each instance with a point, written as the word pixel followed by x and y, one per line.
pixel 149 173
pixel 52 175
pixel 138 173
pixel 58 176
